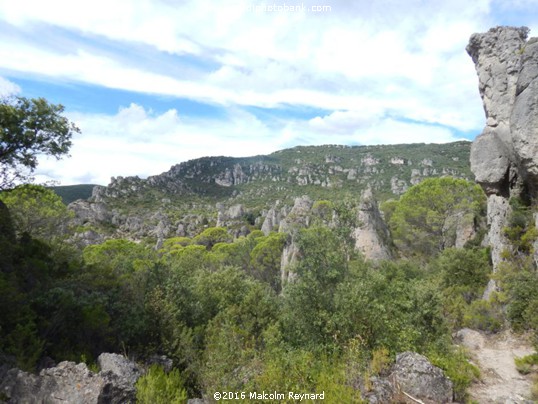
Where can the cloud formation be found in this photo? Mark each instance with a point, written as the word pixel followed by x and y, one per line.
pixel 375 72
pixel 8 88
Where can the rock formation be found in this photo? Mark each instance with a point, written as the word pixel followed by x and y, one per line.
pixel 415 375
pixel 74 383
pixel 411 379
pixel 298 218
pixel 504 158
pixel 371 235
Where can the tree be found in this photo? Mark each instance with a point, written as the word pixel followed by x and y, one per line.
pixel 29 128
pixel 308 302
pixel 211 236
pixel 37 211
pixel 266 257
pixel 426 218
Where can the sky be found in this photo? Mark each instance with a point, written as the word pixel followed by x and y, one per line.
pixel 152 83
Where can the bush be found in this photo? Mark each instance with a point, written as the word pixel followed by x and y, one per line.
pixel 300 370
pixel 457 367
pixel 158 387
pixel 526 364
pixel 484 315
pixel 464 268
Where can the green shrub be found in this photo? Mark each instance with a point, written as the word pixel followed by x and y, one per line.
pixel 381 361
pixel 25 344
pixel 300 370
pixel 457 367
pixel 484 315
pixel 526 364
pixel 158 387
pixel 466 269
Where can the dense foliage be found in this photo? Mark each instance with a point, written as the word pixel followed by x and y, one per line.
pixel 219 308
pixel 29 128
pixel 428 217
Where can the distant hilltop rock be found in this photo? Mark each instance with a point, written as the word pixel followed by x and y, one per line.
pixel 388 169
pixel 240 192
pixel 504 158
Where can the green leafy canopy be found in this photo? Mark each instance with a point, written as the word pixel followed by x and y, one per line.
pixel 29 128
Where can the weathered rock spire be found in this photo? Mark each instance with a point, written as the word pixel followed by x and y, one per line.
pixel 504 158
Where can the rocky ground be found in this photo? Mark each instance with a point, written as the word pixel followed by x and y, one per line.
pixel 494 355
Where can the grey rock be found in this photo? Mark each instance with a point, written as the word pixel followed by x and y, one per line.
pixel 299 217
pixel 413 374
pixel 504 158
pixel 71 383
pixel 232 176
pixel 490 160
pixel 273 217
pixel 290 256
pixel 470 339
pixel 89 212
pixel 398 186
pixel 379 391
pixel 88 237
pixel 235 211
pixel 372 235
pixel 181 230
pixel 120 366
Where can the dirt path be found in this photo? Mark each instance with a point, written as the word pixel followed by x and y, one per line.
pixel 494 355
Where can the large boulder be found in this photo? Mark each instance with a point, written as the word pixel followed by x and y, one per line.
pixel 412 379
pixel 413 375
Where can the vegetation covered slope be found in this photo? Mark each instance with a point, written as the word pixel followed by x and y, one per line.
pixel 193 194
pixel 323 172
pixel 70 193
pixel 216 304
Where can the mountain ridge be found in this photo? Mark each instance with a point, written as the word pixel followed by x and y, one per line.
pixel 239 192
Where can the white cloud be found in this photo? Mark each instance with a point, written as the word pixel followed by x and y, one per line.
pixel 8 88
pixel 136 141
pixel 387 71
pixel 268 59
pixel 353 127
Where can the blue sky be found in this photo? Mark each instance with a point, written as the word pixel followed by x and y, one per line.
pixel 152 83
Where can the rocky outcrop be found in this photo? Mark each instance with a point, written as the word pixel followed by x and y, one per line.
pixel 125 208
pixel 273 217
pixel 415 375
pixel 504 158
pixel 74 383
pixel 298 218
pixel 371 235
pixel 412 379
pixel 90 212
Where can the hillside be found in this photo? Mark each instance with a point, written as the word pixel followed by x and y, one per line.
pixel 192 194
pixel 283 278
pixel 70 193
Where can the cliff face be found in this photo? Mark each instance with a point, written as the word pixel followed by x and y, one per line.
pixel 504 158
